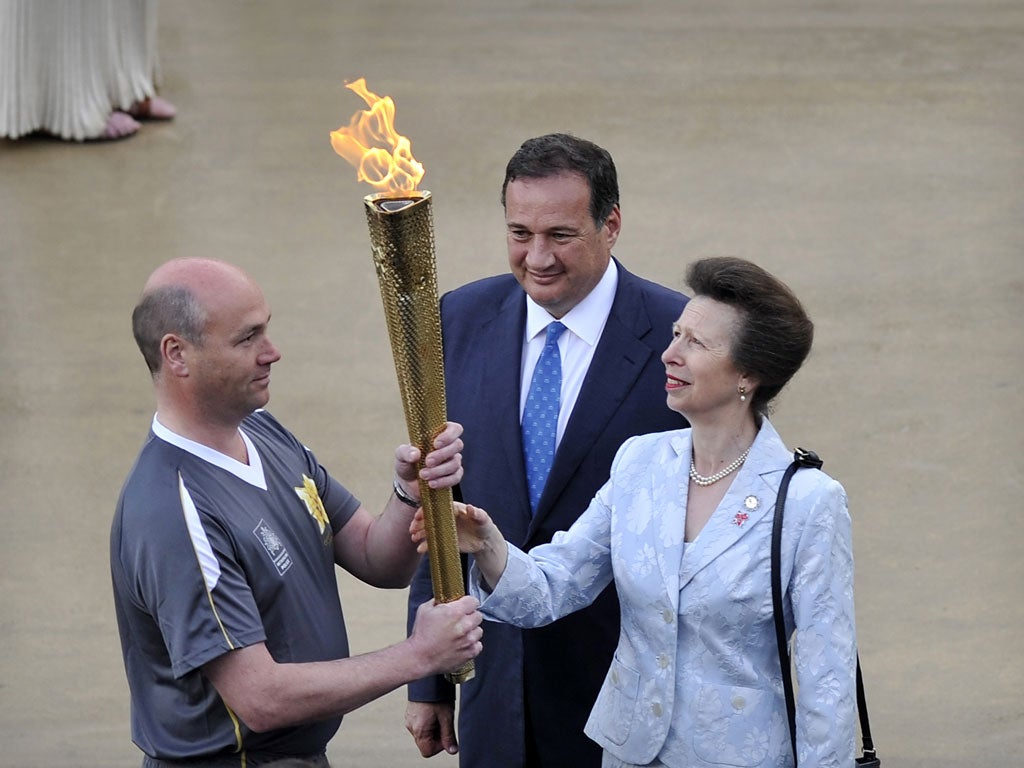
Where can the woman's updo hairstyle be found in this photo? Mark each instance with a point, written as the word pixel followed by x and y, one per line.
pixel 774 335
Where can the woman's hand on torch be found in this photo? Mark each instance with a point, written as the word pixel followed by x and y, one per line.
pixel 478 536
pixel 442 467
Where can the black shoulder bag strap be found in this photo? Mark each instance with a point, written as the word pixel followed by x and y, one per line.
pixel 802 458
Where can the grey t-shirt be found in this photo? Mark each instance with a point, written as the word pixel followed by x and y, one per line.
pixel 209 555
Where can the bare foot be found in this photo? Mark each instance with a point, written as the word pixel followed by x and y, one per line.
pixel 153 108
pixel 119 126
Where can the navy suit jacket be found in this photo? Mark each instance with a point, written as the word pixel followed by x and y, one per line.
pixel 543 682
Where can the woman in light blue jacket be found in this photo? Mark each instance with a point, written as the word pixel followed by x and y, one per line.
pixel 683 528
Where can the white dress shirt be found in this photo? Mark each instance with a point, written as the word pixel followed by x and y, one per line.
pixel 584 324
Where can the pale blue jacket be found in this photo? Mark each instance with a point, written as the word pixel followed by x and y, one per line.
pixel 695 680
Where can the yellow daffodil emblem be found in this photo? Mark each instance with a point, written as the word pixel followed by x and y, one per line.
pixel 311 497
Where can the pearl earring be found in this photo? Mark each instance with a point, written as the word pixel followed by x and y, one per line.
pixel 743 394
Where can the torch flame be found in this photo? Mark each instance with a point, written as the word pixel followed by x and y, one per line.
pixel 382 157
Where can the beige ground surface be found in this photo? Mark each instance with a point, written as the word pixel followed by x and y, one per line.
pixel 869 153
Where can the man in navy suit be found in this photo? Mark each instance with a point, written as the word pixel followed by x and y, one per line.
pixel 534 689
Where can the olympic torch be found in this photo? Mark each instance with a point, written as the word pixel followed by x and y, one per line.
pixel 402 245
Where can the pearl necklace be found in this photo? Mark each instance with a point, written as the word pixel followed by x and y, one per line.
pixel 703 481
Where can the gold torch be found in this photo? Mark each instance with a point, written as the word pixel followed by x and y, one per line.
pixel 402 244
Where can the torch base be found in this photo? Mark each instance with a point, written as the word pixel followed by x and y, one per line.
pixel 463 674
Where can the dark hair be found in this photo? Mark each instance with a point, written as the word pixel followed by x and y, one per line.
pixel 775 333
pixel 170 309
pixel 557 153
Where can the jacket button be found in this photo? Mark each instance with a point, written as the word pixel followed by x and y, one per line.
pixel 663 660
pixel 738 702
pixel 667 616
pixel 656 709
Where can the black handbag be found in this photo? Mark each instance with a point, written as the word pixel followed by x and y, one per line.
pixel 869 759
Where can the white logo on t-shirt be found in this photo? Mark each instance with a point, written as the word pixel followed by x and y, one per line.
pixel 272 543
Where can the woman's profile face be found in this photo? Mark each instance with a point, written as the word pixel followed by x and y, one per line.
pixel 700 375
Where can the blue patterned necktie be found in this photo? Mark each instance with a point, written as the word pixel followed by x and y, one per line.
pixel 540 417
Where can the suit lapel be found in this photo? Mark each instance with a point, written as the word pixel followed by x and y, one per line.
pixel 619 359
pixel 502 337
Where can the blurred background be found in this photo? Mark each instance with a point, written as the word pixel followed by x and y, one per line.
pixel 867 153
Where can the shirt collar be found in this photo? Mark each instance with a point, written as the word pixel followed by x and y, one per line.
pixel 251 472
pixel 586 319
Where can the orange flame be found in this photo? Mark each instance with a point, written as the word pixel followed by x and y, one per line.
pixel 382 157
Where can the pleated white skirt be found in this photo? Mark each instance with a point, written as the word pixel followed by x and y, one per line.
pixel 65 65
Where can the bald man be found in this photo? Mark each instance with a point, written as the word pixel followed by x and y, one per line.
pixel 225 540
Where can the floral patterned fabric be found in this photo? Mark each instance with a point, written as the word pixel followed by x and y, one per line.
pixel 695 680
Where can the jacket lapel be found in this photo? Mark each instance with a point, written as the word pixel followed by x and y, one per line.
pixel 502 337
pixel 619 359
pixel 673 524
pixel 750 498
